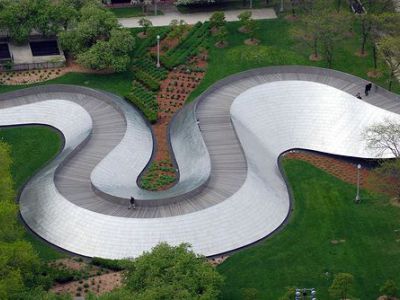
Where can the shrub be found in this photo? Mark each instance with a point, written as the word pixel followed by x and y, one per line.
pixel 112 264
pixel 145 100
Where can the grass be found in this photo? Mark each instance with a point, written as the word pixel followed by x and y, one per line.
pixel 135 11
pixel 32 147
pixel 302 254
pixel 118 83
pixel 277 47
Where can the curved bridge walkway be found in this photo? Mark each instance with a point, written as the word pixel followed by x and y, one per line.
pixel 229 210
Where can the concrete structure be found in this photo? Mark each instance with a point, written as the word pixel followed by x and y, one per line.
pixel 230 193
pixel 193 18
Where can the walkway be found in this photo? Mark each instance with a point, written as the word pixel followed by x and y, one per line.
pixel 230 15
pixel 239 201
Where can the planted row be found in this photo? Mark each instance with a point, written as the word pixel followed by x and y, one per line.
pixel 197 38
pixel 143 45
pixel 149 66
pixel 145 100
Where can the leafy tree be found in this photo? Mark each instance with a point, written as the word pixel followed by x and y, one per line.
pixel 221 36
pixel 244 17
pixel 389 288
pixel 389 51
pixel 250 294
pixel 169 272
pixel 341 285
pixel 290 294
pixel 251 27
pixel 94 23
pixel 333 25
pixel 178 29
pixel 217 19
pixel 309 32
pixel 146 24
pixel 112 54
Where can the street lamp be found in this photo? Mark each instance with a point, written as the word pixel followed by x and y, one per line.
pixel 155 7
pixel 358 184
pixel 158 51
pixel 251 3
pixel 281 9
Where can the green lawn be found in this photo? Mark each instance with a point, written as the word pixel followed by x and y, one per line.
pixel 277 47
pixel 302 255
pixel 31 148
pixel 119 83
pixel 135 11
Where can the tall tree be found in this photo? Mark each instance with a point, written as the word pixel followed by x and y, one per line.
pixel 341 286
pixel 389 51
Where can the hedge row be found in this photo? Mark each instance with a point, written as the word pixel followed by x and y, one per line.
pixel 111 264
pixel 196 38
pixel 149 65
pixel 142 45
pixel 145 100
pixel 146 79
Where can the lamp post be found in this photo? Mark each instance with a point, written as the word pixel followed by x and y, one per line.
pixel 251 3
pixel 303 294
pixel 281 9
pixel 358 184
pixel 155 7
pixel 158 51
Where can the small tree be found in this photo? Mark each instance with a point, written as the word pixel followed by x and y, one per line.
pixel 221 37
pixel 178 29
pixel 383 137
pixel 389 51
pixel 389 289
pixel 309 32
pixel 146 24
pixel 217 19
pixel 341 285
pixel 251 27
pixel 244 17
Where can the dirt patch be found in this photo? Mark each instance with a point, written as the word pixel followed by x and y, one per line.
pixel 251 42
pixel 141 35
pixel 291 18
pixel 374 74
pixel 97 284
pixel 359 54
pixel 335 242
pixel 339 168
pixel 314 57
pixel 217 260
pixel 168 43
pixel 221 44
pixel 243 29
pixel 35 76
pixel 395 202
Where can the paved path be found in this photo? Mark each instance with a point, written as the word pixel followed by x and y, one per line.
pixel 231 15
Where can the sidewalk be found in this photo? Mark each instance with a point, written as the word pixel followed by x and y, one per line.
pixel 230 15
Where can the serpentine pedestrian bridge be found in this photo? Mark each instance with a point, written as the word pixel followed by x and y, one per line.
pixel 226 144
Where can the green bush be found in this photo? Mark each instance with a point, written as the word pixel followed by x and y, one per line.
pixel 145 100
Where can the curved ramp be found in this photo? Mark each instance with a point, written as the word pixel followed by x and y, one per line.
pixel 230 195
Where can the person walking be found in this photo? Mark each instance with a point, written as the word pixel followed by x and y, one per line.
pixel 132 203
pixel 368 88
pixel 358 96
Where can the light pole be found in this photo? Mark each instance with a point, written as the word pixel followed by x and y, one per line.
pixel 158 51
pixel 281 9
pixel 251 3
pixel 358 184
pixel 155 7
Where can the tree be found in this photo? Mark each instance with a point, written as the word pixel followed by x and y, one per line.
pixel 178 29
pixel 169 272
pixel 217 19
pixel 309 33
pixel 146 24
pixel 389 51
pixel 332 26
pixel 389 289
pixel 251 27
pixel 383 137
pixel 290 294
pixel 221 36
pixel 341 285
pixel 244 17
pixel 112 54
